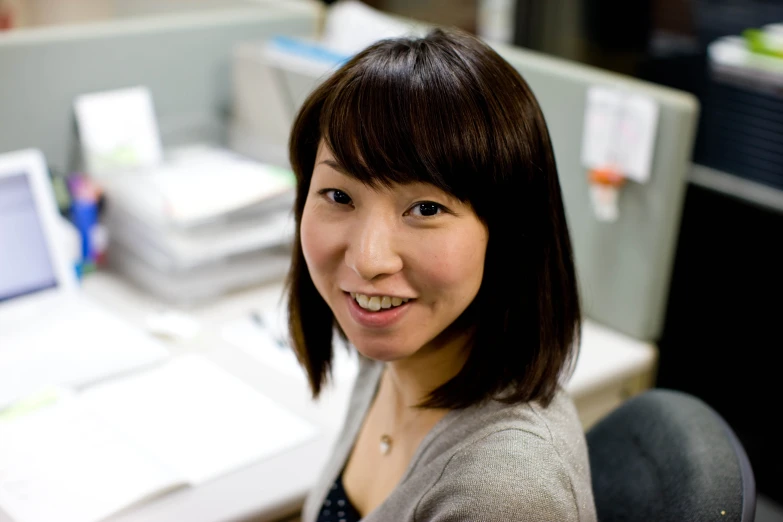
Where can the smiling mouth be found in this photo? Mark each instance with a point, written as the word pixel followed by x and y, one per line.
pixel 377 303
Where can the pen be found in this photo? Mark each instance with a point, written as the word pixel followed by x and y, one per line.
pixel 256 317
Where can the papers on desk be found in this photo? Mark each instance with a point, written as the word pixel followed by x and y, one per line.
pixel 206 222
pixel 263 335
pixel 200 187
pixel 88 455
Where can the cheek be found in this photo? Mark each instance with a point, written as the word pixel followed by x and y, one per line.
pixel 318 244
pixel 456 266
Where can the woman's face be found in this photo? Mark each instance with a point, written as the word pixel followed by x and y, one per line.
pixel 396 265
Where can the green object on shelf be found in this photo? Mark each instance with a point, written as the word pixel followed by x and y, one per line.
pixel 757 43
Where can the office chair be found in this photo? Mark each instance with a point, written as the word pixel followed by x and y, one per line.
pixel 665 456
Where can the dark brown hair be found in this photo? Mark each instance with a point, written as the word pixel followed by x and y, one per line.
pixel 446 109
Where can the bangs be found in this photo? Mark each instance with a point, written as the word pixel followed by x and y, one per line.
pixel 406 117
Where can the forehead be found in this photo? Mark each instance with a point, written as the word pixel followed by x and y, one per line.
pixel 323 152
pixel 324 156
pixel 325 163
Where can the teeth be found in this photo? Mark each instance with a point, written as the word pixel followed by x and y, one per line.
pixel 375 303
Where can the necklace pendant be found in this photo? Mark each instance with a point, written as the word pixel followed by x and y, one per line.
pixel 386 443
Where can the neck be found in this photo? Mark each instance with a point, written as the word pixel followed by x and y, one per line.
pixel 410 381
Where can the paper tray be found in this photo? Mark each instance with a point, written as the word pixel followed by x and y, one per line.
pixel 193 287
pixel 177 250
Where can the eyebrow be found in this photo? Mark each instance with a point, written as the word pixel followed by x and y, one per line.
pixel 335 165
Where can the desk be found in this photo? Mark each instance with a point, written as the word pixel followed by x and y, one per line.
pixel 610 367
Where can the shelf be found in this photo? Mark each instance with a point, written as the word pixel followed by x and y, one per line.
pixel 735 186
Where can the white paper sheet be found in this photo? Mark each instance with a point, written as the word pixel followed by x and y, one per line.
pixel 197 418
pixel 88 455
pixel 263 335
pixel 62 462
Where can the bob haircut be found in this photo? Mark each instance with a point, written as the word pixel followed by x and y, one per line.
pixel 447 110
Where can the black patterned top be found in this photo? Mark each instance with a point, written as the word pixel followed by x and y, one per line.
pixel 337 507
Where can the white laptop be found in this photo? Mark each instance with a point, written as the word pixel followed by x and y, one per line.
pixel 50 333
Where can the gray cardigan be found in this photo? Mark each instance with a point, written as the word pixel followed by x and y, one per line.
pixel 493 462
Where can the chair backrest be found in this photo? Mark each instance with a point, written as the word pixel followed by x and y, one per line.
pixel 666 455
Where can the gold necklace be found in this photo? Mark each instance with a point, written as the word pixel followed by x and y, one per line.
pixel 386 444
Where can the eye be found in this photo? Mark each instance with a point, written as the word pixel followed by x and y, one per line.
pixel 336 196
pixel 426 209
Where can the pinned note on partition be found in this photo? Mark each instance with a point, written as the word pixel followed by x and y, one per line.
pixel 619 132
pixel 617 145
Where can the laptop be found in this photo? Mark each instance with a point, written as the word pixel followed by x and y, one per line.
pixel 51 334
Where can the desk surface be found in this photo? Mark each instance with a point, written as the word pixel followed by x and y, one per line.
pixel 276 486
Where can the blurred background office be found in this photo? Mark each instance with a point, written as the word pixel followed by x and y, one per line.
pixel 721 336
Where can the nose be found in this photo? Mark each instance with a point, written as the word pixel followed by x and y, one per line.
pixel 371 251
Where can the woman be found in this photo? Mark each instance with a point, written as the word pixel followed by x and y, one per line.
pixel 431 234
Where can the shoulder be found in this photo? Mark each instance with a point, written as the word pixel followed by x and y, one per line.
pixel 516 467
pixel 508 475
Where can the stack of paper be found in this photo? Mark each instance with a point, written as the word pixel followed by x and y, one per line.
pixel 84 456
pixel 204 222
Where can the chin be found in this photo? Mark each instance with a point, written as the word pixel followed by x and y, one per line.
pixel 380 352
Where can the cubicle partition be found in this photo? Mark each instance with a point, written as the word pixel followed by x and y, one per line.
pixel 184 59
pixel 624 267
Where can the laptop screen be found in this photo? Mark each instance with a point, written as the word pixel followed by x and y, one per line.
pixel 25 264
